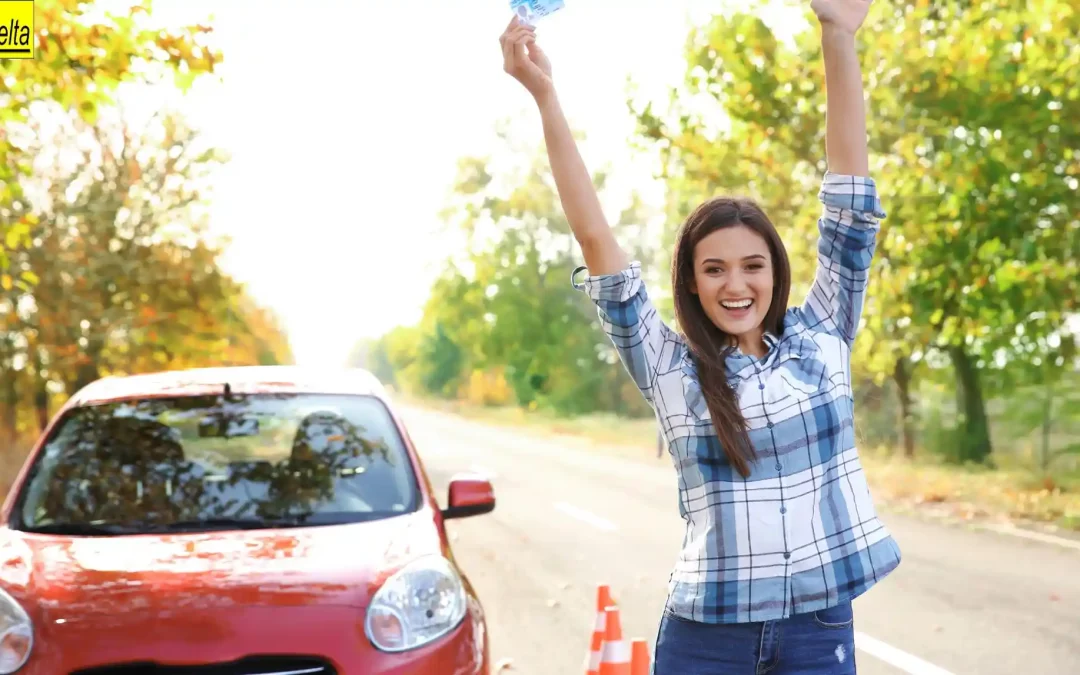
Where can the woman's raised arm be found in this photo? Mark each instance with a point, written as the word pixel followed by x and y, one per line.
pixel 526 62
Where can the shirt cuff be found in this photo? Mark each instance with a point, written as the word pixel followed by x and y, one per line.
pixel 617 287
pixel 852 193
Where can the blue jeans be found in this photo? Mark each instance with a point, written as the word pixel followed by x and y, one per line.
pixel 815 643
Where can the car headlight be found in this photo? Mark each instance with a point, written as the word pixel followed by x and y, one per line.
pixel 418 604
pixel 16 634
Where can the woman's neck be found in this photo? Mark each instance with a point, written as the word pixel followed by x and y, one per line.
pixel 753 344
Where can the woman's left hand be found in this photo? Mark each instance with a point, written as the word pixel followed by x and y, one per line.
pixel 845 15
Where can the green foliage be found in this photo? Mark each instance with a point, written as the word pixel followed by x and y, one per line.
pixel 503 323
pixel 976 150
pixel 972 149
pixel 81 59
pixel 106 266
pixel 442 360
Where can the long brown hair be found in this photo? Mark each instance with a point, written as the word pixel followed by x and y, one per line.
pixel 707 342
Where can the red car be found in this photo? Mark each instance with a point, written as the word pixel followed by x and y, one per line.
pixel 241 521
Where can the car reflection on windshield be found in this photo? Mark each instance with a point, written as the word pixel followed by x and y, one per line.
pixel 195 463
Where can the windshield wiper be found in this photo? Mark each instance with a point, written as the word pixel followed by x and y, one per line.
pixel 225 524
pixel 90 529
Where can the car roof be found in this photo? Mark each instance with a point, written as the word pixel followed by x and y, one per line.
pixel 241 379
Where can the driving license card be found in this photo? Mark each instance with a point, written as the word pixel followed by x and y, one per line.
pixel 531 10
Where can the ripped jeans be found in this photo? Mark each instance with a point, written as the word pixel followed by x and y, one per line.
pixel 815 643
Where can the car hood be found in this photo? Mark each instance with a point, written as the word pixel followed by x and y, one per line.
pixel 57 575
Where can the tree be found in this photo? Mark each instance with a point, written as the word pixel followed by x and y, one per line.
pixel 120 254
pixel 126 279
pixel 969 119
pixel 80 61
pixel 504 319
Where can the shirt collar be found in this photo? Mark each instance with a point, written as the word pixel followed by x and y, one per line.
pixel 737 363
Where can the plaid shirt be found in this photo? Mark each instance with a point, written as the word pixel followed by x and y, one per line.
pixel 801 532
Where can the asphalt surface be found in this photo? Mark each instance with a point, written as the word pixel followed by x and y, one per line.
pixel 964 601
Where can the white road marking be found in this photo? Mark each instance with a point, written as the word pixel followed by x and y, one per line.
pixel 1036 536
pixel 584 516
pixel 897 658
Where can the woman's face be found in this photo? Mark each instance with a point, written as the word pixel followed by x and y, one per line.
pixel 733 279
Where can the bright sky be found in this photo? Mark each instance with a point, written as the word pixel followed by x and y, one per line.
pixel 345 121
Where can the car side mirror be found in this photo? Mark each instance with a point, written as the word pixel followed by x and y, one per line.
pixel 469 496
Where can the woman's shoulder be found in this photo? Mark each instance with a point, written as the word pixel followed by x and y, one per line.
pixel 809 342
pixel 798 324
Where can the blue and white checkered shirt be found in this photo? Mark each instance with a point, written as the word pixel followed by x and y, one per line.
pixel 801 532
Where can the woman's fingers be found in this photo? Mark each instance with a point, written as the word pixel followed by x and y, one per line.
pixel 513 30
pixel 521 59
pixel 508 52
pixel 513 44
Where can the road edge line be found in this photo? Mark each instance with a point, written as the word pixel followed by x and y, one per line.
pixel 895 657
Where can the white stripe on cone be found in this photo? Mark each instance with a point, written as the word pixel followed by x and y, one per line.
pixel 600 627
pixel 616 652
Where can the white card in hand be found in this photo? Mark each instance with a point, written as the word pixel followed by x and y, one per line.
pixel 529 11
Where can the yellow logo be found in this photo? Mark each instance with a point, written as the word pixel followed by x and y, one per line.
pixel 17 29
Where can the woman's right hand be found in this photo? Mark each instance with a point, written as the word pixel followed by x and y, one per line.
pixel 525 60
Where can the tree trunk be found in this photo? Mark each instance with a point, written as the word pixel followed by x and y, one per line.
pixel 9 405
pixel 902 377
pixel 87 373
pixel 89 369
pixel 1048 420
pixel 9 396
pixel 975 435
pixel 41 392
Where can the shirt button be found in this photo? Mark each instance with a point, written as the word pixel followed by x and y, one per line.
pixel 770 425
pixel 786 555
pixel 783 509
pixel 761 385
pixel 779 466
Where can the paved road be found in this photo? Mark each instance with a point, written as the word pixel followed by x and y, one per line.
pixel 962 602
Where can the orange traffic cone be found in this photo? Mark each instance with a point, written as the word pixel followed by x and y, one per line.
pixel 615 654
pixel 603 601
pixel 639 657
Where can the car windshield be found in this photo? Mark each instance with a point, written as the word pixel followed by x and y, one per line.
pixel 202 462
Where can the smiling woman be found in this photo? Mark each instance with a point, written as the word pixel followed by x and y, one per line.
pixel 732 259
pixel 732 279
pixel 754 396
